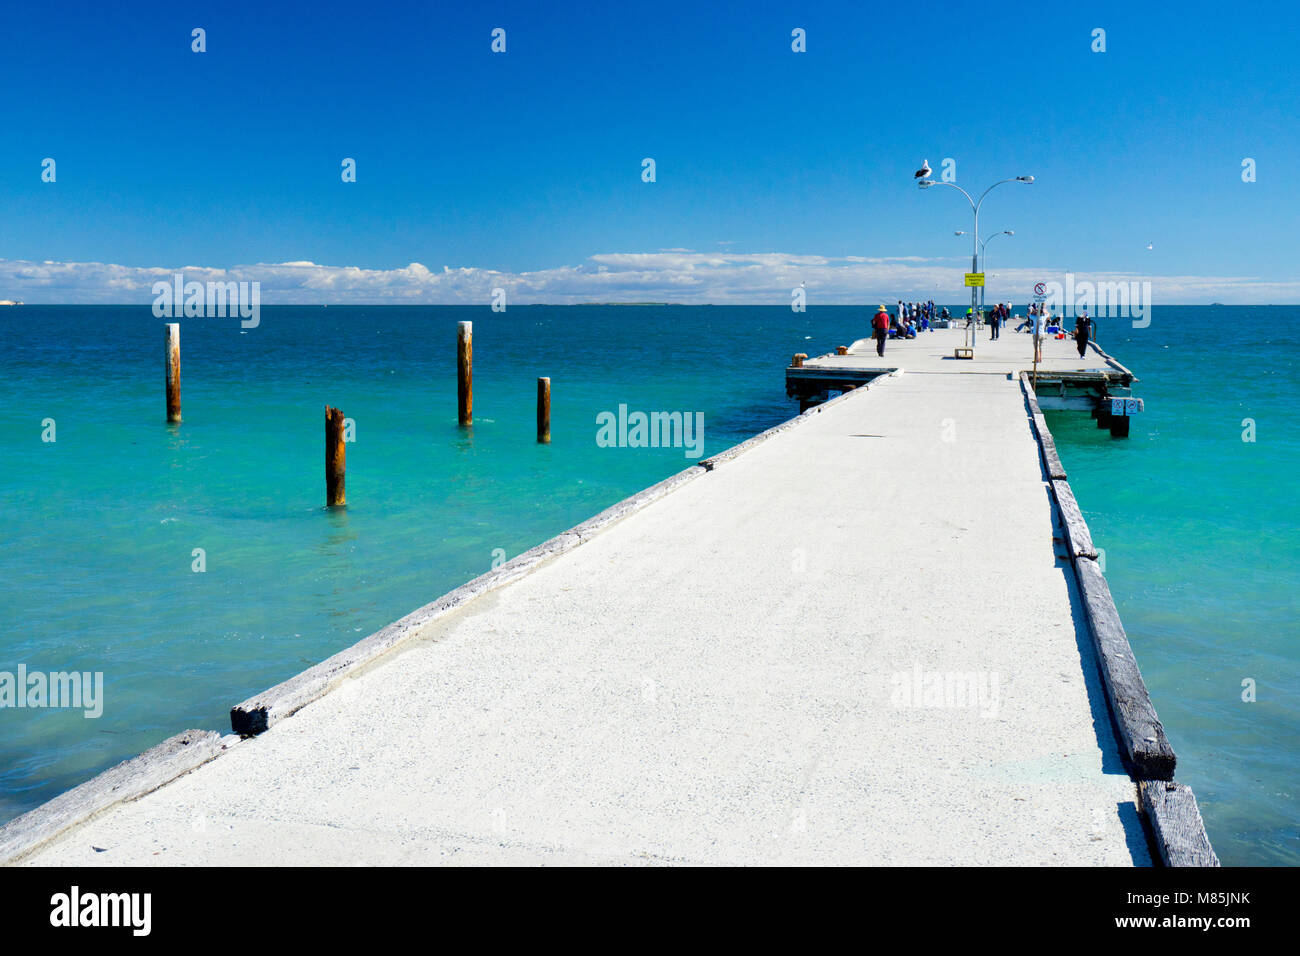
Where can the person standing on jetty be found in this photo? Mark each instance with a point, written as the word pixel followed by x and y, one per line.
pixel 880 330
pixel 1039 320
pixel 1082 332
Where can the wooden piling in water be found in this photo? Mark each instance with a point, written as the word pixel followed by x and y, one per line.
pixel 465 372
pixel 173 361
pixel 336 458
pixel 544 411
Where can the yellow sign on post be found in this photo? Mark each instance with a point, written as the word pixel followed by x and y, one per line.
pixel 974 279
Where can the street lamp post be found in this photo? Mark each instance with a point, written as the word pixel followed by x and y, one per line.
pixel 984 256
pixel 975 237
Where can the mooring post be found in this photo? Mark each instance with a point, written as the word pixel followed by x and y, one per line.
pixel 173 339
pixel 336 459
pixel 544 411
pixel 797 361
pixel 841 350
pixel 465 372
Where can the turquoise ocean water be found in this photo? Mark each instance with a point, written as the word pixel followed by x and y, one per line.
pixel 99 527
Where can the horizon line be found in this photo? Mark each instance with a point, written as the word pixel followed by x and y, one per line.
pixel 871 303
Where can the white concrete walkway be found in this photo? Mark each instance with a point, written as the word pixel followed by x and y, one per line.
pixel 717 679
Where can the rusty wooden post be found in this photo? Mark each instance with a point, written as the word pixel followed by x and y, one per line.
pixel 173 338
pixel 841 350
pixel 544 411
pixel 797 361
pixel 465 372
pixel 336 459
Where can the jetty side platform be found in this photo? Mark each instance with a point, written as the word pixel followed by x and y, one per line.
pixel 1064 380
pixel 808 650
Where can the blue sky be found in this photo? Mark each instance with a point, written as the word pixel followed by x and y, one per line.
pixel 528 163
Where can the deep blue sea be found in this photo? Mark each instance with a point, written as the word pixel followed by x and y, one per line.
pixel 100 526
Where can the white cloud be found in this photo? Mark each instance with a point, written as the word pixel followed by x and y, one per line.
pixel 722 277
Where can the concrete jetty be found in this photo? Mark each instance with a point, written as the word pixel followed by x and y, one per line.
pixel 860 638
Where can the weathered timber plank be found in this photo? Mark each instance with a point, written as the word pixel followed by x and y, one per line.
pixel 1051 458
pixel 1076 529
pixel 1176 822
pixel 1141 735
pixel 1046 444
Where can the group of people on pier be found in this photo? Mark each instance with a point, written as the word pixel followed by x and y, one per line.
pixel 910 319
pixel 914 317
pixel 919 315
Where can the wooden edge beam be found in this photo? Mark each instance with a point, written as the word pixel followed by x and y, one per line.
pixel 1051 457
pixel 1030 395
pixel 1076 529
pixel 1046 443
pixel 1170 808
pixel 1141 735
pixel 129 780
pixel 1175 820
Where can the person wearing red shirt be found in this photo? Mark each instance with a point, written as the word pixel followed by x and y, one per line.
pixel 880 329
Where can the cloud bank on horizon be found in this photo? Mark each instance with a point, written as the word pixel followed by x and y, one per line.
pixel 675 275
